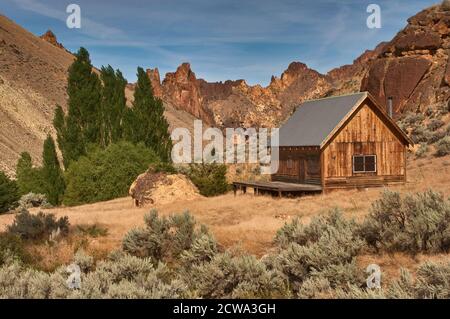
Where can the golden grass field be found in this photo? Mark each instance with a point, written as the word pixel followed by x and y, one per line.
pixel 247 221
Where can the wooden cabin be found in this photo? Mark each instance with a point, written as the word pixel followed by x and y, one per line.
pixel 342 142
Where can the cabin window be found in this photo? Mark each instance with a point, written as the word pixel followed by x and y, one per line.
pixel 364 163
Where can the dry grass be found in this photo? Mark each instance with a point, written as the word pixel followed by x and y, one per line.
pixel 246 220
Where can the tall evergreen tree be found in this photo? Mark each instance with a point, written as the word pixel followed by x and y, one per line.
pixel 29 178
pixel 145 122
pixel 83 123
pixel 9 193
pixel 84 90
pixel 113 105
pixel 52 173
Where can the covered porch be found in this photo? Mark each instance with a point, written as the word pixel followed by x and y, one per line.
pixel 276 188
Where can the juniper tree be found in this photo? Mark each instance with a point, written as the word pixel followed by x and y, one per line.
pixel 145 122
pixel 52 173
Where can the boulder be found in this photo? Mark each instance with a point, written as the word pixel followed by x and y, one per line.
pixel 155 188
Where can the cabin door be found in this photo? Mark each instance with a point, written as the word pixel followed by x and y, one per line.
pixel 301 170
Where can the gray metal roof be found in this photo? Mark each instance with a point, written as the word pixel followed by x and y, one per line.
pixel 314 120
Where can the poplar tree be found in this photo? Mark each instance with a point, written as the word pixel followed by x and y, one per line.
pixel 145 122
pixel 83 123
pixel 52 173
pixel 113 105
pixel 29 178
pixel 84 91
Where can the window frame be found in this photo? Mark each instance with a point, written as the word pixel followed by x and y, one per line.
pixel 364 163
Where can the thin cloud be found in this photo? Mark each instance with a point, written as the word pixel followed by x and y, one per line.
pixel 89 27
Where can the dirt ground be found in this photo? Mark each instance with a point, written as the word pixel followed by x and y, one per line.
pixel 246 220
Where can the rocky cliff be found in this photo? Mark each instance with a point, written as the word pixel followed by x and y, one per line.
pixel 235 103
pixel 414 67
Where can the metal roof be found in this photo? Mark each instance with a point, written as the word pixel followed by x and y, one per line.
pixel 314 120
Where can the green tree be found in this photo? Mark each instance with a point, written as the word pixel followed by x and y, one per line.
pixel 210 179
pixel 29 178
pixel 52 173
pixel 145 122
pixel 83 123
pixel 104 174
pixel 113 105
pixel 59 123
pixel 9 193
pixel 84 91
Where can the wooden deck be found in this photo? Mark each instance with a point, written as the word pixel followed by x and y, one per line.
pixel 278 188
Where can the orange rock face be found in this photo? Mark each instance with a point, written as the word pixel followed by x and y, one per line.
pixel 50 37
pixel 412 67
pixel 182 90
pixel 237 104
pixel 155 80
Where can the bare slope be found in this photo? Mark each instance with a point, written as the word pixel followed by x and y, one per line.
pixel 33 80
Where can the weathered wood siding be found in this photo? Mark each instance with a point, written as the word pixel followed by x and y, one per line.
pixel 298 165
pixel 365 134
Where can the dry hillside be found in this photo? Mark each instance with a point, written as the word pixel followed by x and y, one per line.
pixel 33 80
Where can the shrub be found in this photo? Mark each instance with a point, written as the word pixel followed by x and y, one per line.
pixel 413 119
pixel 435 124
pixel 94 230
pixel 106 174
pixel 443 146
pixel 419 134
pixel 39 226
pixel 122 276
pixel 422 150
pixel 11 246
pixel 210 179
pixel 329 241
pixel 9 193
pixel 163 238
pixel 230 276
pixel 322 284
pixel 436 136
pixel 415 223
pixel 431 282
pixel 31 200
pixel 202 250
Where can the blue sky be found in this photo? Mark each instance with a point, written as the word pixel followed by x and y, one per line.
pixel 222 39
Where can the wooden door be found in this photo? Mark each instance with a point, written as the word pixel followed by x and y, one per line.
pixel 301 170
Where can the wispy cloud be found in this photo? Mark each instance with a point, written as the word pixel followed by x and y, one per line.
pixel 224 39
pixel 89 27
